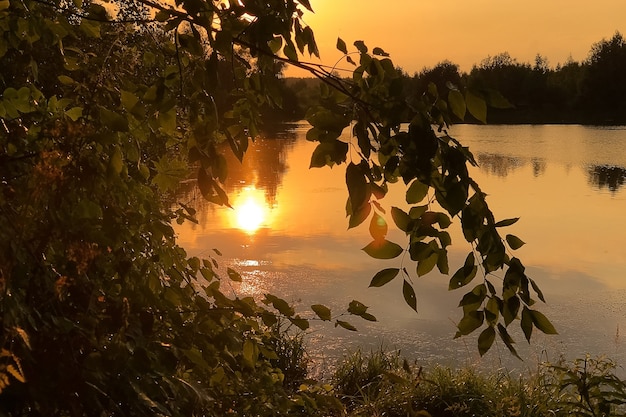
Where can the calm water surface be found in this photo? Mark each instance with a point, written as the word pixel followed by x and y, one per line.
pixel 288 235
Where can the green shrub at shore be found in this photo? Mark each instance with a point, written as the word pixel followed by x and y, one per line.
pixel 382 383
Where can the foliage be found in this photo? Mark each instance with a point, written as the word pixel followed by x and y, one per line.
pixel 588 387
pixel 102 114
pixel 101 312
pixel 589 92
pixel 291 356
pixel 382 384
pixel 360 378
pixel 602 87
pixel 434 168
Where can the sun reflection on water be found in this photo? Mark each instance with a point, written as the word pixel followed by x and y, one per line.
pixel 251 211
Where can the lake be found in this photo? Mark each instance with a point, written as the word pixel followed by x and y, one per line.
pixel 287 234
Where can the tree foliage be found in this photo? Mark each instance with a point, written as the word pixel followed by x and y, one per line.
pixel 434 168
pixel 585 92
pixel 603 87
pixel 104 110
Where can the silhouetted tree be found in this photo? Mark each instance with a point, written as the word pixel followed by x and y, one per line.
pixel 604 84
pixel 441 74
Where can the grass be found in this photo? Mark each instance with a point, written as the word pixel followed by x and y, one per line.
pixel 382 383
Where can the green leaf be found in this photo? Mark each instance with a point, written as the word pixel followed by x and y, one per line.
pixel 341 46
pixel 409 295
pixel 542 323
pixel 416 192
pixel 514 242
pixel 476 106
pixel 322 311
pixel 65 80
pixel 445 239
pixel 128 100
pixel 357 308
pixel 462 278
pixel 527 323
pixel 486 339
pixel 442 262
pixel 345 325
pixel 453 198
pixel 167 121
pixel 329 153
pixel 432 89
pixel 233 275
pixel 444 220
pixel 537 290
pixel 116 162
pixel 306 4
pixel 492 310
pixel 465 274
pixel 113 121
pixel 383 249
pixel 401 219
pixel 360 46
pixel 424 266
pixel 250 352
pixel 457 104
pixel 360 215
pixel 299 322
pixel 471 321
pixel 279 304
pixel 508 340
pixel 275 44
pixel 368 317
pixel 290 52
pixel 316 134
pixel 90 27
pixel 384 276
pixel 510 310
pixel 379 51
pixel 473 299
pixel 416 212
pixel 74 113
pixel 378 227
pixel 357 186
pixel 507 222
pixel 329 120
pixel 163 15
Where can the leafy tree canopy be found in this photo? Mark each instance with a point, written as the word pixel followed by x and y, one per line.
pixel 105 106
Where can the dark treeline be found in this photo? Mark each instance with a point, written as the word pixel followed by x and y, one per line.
pixel 588 92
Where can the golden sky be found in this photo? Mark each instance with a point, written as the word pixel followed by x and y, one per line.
pixel 421 33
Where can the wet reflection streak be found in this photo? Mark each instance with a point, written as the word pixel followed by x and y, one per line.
pixel 611 177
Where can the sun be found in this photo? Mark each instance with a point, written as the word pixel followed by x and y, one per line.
pixel 251 210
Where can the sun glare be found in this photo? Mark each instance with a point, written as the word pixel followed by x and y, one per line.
pixel 251 210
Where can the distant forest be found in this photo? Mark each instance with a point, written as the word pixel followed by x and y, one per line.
pixel 588 92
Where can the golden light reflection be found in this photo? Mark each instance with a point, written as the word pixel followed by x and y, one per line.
pixel 251 211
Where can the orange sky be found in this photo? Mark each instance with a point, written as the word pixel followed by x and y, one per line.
pixel 421 33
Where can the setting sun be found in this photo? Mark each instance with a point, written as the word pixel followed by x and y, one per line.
pixel 250 210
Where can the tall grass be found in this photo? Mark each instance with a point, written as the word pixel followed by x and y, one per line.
pixel 382 384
